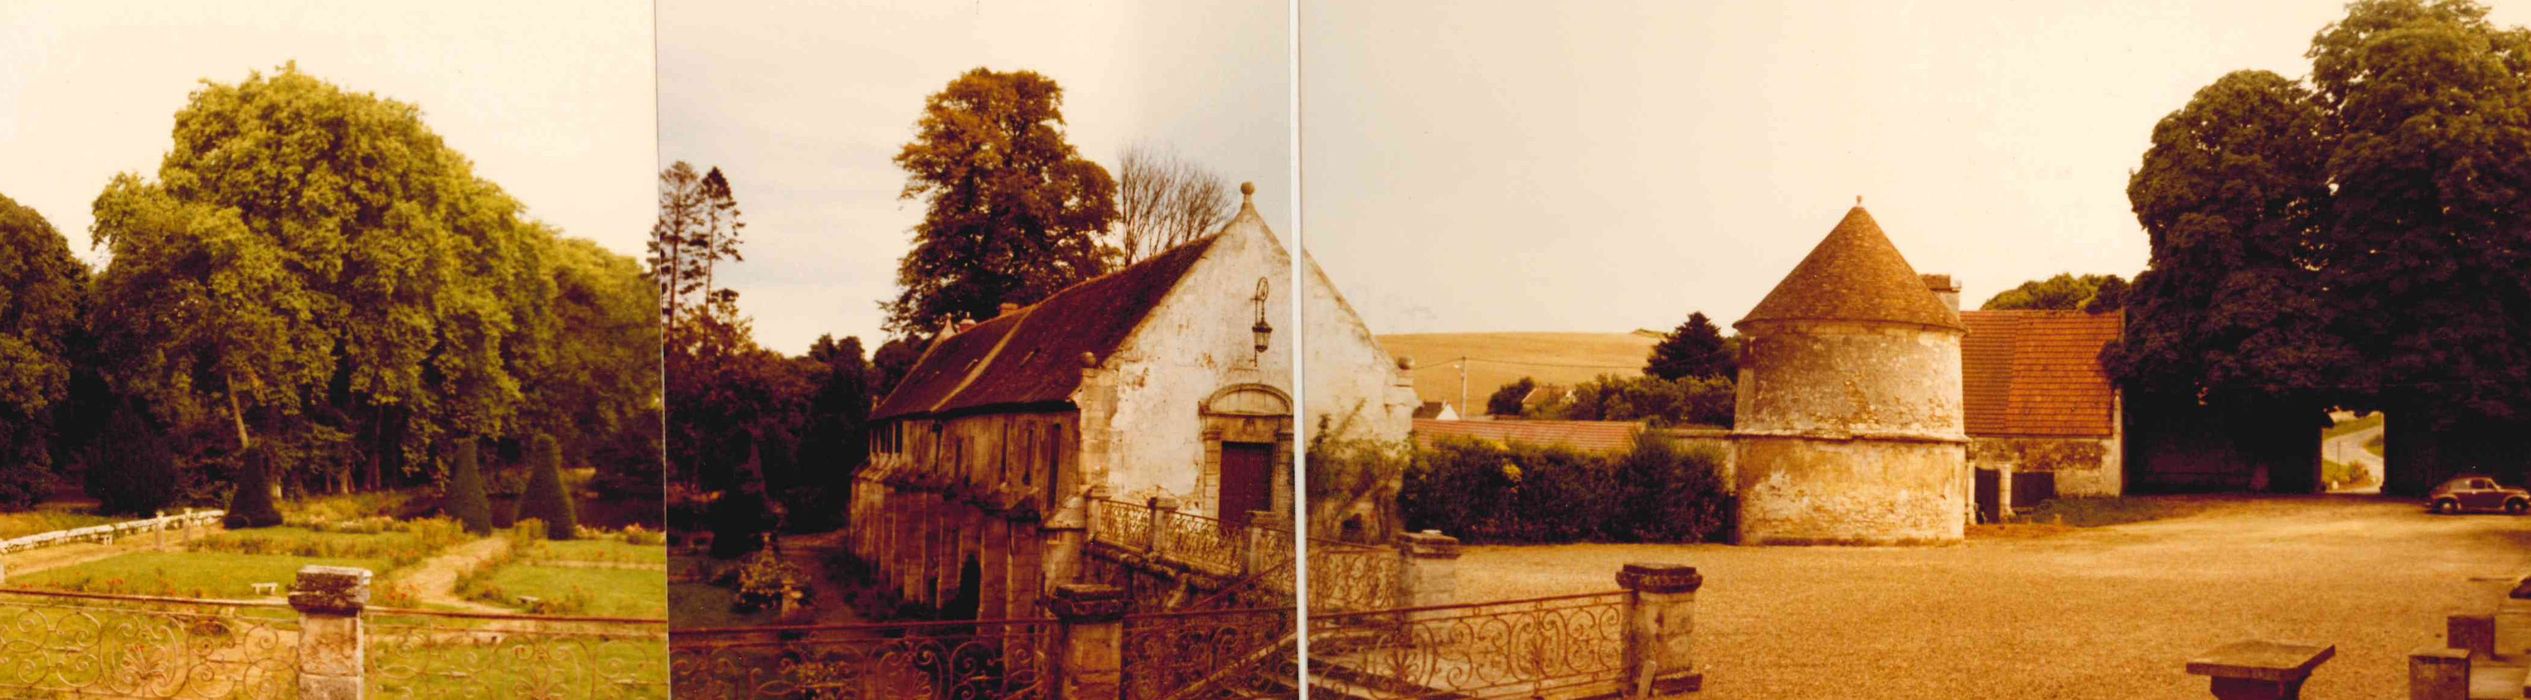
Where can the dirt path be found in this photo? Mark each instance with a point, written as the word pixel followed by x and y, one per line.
pixel 434 580
pixel 59 556
pixel 2097 612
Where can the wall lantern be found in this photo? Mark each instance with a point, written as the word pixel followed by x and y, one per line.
pixel 1262 330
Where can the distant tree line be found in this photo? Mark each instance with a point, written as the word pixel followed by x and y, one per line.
pixel 315 277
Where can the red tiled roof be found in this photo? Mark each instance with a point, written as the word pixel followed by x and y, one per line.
pixel 1583 435
pixel 1033 355
pixel 1855 274
pixel 2037 373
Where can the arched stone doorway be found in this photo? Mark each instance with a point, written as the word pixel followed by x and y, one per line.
pixel 1247 452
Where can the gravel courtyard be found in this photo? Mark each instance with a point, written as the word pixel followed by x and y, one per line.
pixel 2036 612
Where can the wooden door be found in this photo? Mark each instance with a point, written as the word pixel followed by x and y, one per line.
pixel 1247 480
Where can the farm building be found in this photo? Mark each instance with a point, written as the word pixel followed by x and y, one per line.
pixel 1167 380
pixel 2042 417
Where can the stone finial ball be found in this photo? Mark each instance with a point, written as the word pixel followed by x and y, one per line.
pixel 1247 188
pixel 1404 362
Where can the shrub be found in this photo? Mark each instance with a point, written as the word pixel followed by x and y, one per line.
pixel 251 506
pixel 765 581
pixel 635 535
pixel 546 498
pixel 130 470
pixel 1482 492
pixel 465 501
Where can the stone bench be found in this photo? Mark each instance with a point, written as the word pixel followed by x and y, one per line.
pixel 2260 670
pixel 266 588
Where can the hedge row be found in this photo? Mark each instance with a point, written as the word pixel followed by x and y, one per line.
pixel 1487 493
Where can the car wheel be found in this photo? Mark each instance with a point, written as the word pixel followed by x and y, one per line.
pixel 2447 506
pixel 2517 506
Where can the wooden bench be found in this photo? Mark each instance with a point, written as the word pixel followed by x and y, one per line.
pixel 2260 670
pixel 266 588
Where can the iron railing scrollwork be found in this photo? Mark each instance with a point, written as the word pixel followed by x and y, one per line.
pixel 70 644
pixel 971 659
pixel 1210 654
pixel 433 654
pixel 1210 544
pixel 1120 524
pixel 1346 577
pixel 1555 646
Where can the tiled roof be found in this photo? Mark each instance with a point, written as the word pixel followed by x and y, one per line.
pixel 1583 435
pixel 1855 274
pixel 1032 355
pixel 2037 373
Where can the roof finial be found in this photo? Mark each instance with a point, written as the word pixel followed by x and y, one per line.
pixel 1858 200
pixel 1247 190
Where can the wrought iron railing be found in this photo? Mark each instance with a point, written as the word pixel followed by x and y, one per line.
pixel 1210 544
pixel 76 644
pixel 434 654
pixel 1210 654
pixel 1556 646
pixel 978 659
pixel 1120 524
pixel 1346 577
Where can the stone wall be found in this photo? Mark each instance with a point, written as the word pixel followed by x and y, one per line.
pixel 1355 387
pixel 2083 467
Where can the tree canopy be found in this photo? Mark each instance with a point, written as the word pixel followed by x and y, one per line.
pixel 40 290
pixel 2064 292
pixel 1011 212
pixel 1694 349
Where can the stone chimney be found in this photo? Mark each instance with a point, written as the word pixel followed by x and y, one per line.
pixel 1942 286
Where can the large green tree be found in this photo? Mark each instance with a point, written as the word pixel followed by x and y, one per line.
pixel 40 290
pixel 603 380
pixel 1011 213
pixel 318 268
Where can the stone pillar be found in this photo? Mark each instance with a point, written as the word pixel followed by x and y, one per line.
pixel 1026 579
pixel 1161 508
pixel 329 600
pixel 993 566
pixel 1428 573
pixel 2003 493
pixel 1064 538
pixel 1660 626
pixel 2472 634
pixel 2438 673
pixel 1268 541
pixel 1089 641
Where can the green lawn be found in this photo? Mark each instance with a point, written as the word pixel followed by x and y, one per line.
pixel 614 551
pixel 698 605
pixel 438 657
pixel 397 547
pixel 575 590
pixel 187 574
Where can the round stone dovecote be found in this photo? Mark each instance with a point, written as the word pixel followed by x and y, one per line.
pixel 1849 427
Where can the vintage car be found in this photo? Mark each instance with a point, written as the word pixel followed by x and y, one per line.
pixel 2476 492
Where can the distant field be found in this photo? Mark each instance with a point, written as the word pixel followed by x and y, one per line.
pixel 1551 358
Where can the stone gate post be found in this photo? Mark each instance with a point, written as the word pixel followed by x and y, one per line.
pixel 1089 651
pixel 1428 569
pixel 2438 673
pixel 331 648
pixel 1660 624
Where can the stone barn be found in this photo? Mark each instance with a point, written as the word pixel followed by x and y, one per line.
pixel 1850 426
pixel 1167 381
pixel 2042 416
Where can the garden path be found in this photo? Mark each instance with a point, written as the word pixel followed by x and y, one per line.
pixel 434 580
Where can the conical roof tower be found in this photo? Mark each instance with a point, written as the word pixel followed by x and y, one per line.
pixel 1855 274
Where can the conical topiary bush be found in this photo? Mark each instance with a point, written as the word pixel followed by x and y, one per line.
pixel 464 499
pixel 252 505
pixel 546 499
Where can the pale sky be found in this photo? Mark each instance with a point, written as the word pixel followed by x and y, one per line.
pixel 1607 166
pixel 551 100
pixel 802 105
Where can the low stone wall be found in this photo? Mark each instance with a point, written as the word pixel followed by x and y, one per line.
pixel 110 531
pixel 2082 466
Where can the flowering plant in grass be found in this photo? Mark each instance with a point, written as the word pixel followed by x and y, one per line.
pixel 766 582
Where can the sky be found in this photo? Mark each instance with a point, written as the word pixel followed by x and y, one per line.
pixel 1613 166
pixel 551 100
pixel 802 105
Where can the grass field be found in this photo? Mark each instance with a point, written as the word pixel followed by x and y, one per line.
pixel 699 605
pixel 185 574
pixel 23 523
pixel 1503 358
pixel 611 551
pixel 574 590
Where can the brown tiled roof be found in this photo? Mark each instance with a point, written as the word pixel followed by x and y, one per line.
pixel 2037 373
pixel 1855 274
pixel 1032 356
pixel 1583 435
